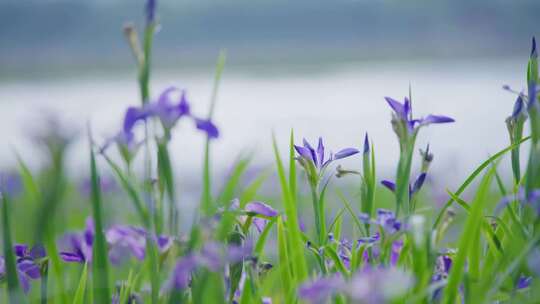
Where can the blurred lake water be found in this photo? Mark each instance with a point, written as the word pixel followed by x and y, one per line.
pixel 339 103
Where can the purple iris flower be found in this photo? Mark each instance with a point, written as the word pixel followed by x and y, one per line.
pixel 413 189
pixel 80 245
pixel 169 110
pixel 28 264
pixel 388 221
pixel 403 122
pixel 253 209
pixel 124 240
pixel 318 157
pixel 263 209
pixel 321 289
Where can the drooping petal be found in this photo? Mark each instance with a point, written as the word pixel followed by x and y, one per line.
pixel 25 282
pixel 208 127
pixel 435 119
pixel 72 257
pixel 29 268
pixel 261 208
pixel 346 153
pixel 133 114
pixel 390 185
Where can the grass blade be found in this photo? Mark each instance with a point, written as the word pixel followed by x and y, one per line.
pixel 473 175
pixel 81 288
pixel 100 262
pixel 14 293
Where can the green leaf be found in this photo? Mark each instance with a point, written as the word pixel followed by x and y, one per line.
pixel 233 181
pixel 468 235
pixel 81 288
pixel 14 293
pixel 30 185
pixel 206 201
pixel 100 261
pixel 262 238
pixel 296 243
pixel 473 175
pixel 286 276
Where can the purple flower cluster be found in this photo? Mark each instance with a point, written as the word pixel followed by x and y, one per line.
pixel 123 241
pixel 28 264
pixel 169 109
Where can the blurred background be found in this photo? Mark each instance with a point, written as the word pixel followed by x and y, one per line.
pixel 320 67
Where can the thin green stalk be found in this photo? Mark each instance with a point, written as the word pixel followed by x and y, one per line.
pixel 316 210
pixel 206 201
pixel 44 282
pixel 14 293
pixel 402 180
pixel 100 262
